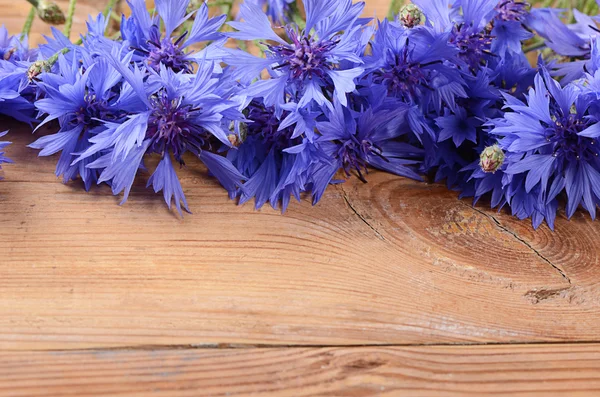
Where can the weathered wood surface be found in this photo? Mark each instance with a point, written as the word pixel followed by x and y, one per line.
pixel 555 370
pixel 394 262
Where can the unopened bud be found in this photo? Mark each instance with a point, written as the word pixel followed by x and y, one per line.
pixel 410 16
pixel 234 140
pixel 194 5
pixel 50 13
pixel 491 159
pixel 9 53
pixel 37 68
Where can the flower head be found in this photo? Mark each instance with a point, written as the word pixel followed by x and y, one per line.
pixel 323 57
pixel 414 66
pixel 81 98
pixel 170 48
pixel 170 114
pixel 14 48
pixel 274 156
pixel 512 10
pixel 551 144
pixel 371 137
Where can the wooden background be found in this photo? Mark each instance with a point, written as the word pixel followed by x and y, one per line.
pixel 388 289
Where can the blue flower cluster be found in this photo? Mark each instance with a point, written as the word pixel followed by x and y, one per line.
pixel 445 91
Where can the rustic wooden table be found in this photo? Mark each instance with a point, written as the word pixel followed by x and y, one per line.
pixel 391 289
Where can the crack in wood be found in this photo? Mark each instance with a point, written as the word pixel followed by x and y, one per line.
pixel 360 216
pixel 241 346
pixel 521 240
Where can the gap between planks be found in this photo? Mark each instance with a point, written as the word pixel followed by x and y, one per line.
pixel 241 346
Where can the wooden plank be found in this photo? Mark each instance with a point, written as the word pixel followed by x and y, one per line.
pixel 390 262
pixel 551 370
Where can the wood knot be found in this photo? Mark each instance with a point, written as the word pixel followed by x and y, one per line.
pixel 538 295
pixel 364 364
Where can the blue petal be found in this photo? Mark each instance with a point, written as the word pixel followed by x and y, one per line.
pixel 164 178
pixel 255 25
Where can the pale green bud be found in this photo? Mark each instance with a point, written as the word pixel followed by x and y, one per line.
pixel 491 158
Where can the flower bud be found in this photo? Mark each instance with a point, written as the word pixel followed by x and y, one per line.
pixel 410 16
pixel 234 140
pixel 37 68
pixel 9 53
pixel 50 13
pixel 491 158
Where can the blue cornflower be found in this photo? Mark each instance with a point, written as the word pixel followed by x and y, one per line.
pixel 81 98
pixel 278 10
pixel 480 29
pixel 143 33
pixel 414 66
pixel 572 41
pixel 509 27
pixel 551 143
pixel 3 145
pixel 316 64
pixel 170 114
pixel 356 140
pixel 275 156
pixel 15 48
pixel 467 20
pixel 15 94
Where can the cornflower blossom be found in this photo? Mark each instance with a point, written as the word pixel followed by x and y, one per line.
pixel 551 143
pixel 15 59
pixel 277 160
pixel 171 48
pixel 355 140
pixel 169 114
pixel 315 65
pixel 81 97
pixel 572 42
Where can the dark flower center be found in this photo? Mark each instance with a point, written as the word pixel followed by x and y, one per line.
pixel 354 155
pixel 170 128
pixel 265 127
pixel 94 109
pixel 511 10
pixel 166 52
pixel 568 145
pixel 473 46
pixel 402 77
pixel 305 57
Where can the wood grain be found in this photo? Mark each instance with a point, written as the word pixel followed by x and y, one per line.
pixel 391 262
pixel 197 306
pixel 555 370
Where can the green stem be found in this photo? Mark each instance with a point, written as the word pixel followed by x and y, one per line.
pixel 226 7
pixel 394 8
pixel 534 47
pixel 70 15
pixel 109 7
pixel 28 22
pixel 115 17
